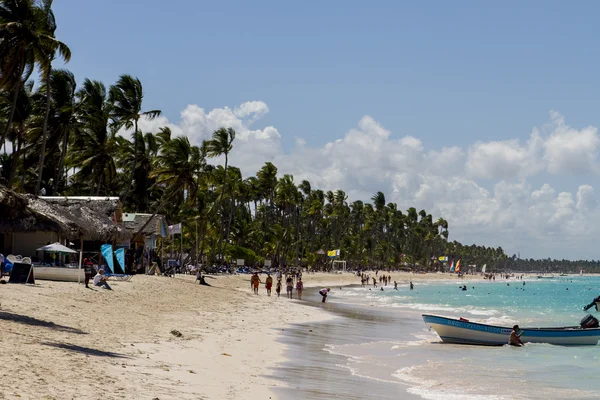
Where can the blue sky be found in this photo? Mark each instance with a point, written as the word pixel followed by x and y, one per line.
pixel 446 73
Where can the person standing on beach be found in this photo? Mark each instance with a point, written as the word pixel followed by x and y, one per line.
pixel 269 284
pixel 324 293
pixel 374 282
pixel 87 270
pixel 278 287
pixel 412 286
pixel 254 282
pixel 289 283
pixel 299 288
pixel 395 285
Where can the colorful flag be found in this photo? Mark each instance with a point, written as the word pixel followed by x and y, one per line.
pixel 333 253
pixel 175 229
pixel 106 250
pixel 452 266
pixel 120 253
pixel 458 266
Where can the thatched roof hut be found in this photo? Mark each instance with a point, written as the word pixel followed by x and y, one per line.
pixel 18 216
pixel 95 218
pixel 156 224
pixel 88 218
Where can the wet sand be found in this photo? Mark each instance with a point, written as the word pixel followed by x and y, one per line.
pixel 311 372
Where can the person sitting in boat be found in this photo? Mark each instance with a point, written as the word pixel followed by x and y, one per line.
pixel 594 303
pixel 515 337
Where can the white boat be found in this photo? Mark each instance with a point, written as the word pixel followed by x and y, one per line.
pixel 62 274
pixel 462 331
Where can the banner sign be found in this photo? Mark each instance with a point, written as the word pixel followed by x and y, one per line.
pixel 120 253
pixel 107 253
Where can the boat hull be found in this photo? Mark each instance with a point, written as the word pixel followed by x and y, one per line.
pixel 455 331
pixel 59 274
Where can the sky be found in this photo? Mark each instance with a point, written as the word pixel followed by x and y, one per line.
pixel 482 113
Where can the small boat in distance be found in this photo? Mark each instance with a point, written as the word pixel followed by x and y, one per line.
pixel 463 331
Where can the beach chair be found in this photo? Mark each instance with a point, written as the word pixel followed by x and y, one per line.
pixel 116 277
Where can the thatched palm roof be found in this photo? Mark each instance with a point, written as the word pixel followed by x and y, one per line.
pixel 74 218
pixel 133 222
pixel 17 216
pixel 96 218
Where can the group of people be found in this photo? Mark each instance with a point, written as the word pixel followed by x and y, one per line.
pixel 293 279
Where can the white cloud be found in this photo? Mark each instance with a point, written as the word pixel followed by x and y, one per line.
pixel 483 190
pixel 504 160
pixel 569 151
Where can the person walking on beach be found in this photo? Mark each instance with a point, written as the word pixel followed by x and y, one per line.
pixel 269 284
pixel 289 283
pixel 254 282
pixel 412 286
pixel 374 282
pixel 515 337
pixel 299 288
pixel 324 293
pixel 278 287
pixel 395 285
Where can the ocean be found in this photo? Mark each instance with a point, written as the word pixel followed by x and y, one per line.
pixel 379 346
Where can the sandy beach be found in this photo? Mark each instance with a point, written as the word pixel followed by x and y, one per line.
pixel 151 338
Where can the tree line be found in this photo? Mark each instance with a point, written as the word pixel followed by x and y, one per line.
pixel 59 137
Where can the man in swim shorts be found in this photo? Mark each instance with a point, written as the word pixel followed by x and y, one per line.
pixel 254 282
pixel 289 284
pixel 269 284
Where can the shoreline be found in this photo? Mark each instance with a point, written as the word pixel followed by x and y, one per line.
pixel 73 342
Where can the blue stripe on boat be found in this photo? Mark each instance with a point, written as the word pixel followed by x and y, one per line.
pixel 451 339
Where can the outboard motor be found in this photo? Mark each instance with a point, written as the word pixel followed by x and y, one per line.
pixel 589 321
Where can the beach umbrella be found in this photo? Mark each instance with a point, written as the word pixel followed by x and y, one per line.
pixel 57 248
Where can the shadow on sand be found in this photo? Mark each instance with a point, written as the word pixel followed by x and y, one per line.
pixel 83 350
pixel 25 320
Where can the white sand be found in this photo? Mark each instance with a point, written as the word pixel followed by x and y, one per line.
pixel 62 341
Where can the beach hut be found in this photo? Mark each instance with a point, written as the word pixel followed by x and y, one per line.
pixel 29 222
pixel 24 228
pixel 145 232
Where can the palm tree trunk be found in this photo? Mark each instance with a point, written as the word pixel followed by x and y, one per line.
pixel 13 107
pixel 44 134
pixel 232 211
pixel 135 155
pixel 221 205
pixel 15 160
pixel 61 163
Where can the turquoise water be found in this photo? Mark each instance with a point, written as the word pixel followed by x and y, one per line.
pixel 440 371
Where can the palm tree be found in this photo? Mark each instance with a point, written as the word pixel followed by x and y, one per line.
pixel 46 46
pixel 19 127
pixel 94 152
pixel 127 96
pixel 221 144
pixel 66 118
pixel 19 24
